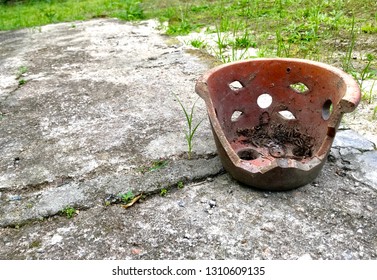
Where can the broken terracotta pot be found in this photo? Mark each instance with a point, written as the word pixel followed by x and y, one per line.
pixel 274 120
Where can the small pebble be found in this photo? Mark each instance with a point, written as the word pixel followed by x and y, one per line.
pixel 181 203
pixel 14 197
pixel 360 231
pixel 212 203
pixel 268 227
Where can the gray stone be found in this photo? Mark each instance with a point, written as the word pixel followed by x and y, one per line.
pixel 367 171
pixel 351 139
pixel 212 203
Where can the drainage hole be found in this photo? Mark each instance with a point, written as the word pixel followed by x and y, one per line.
pixel 287 115
pixel 248 154
pixel 264 100
pixel 236 85
pixel 236 116
pixel 299 88
pixel 327 109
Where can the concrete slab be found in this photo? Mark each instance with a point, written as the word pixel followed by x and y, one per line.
pixel 87 111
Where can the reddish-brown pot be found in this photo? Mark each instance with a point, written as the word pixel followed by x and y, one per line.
pixel 274 120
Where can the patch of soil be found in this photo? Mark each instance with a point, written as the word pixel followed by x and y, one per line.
pixel 281 141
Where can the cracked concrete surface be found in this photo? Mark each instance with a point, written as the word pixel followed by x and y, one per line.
pixel 85 112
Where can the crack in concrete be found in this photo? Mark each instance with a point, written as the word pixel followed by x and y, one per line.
pixel 48 199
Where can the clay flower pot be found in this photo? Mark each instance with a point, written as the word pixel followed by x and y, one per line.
pixel 274 120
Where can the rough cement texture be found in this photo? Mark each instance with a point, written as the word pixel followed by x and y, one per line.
pixel 86 112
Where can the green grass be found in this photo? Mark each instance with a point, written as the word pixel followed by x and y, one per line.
pixel 191 127
pixel 20 14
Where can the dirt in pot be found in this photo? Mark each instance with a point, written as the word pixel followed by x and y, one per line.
pixel 280 140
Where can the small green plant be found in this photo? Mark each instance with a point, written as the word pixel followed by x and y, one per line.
pixel 347 60
pixel 244 42
pixel 180 185
pixel 132 11
pixel 127 197
pixel 158 164
pixel 221 44
pixel 69 212
pixel 155 165
pixel 21 70
pixel 197 43
pixel 21 82
pixel 191 128
pixel 282 49
pixel 163 192
pixel 369 29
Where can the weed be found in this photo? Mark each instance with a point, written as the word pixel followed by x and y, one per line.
pixel 368 95
pixel 126 197
pixel 282 49
pixel 163 192
pixel 191 128
pixel 69 212
pixel 369 29
pixel 155 165
pixel 21 82
pixel 221 44
pixel 132 11
pixel 179 25
pixel 158 164
pixel 21 71
pixel 244 42
pixel 347 64
pixel 367 73
pixel 180 185
pixel 197 43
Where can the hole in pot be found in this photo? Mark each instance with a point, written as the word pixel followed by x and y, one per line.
pixel 327 109
pixel 264 100
pixel 248 154
pixel 236 116
pixel 288 115
pixel 236 85
pixel 288 70
pixel 299 88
